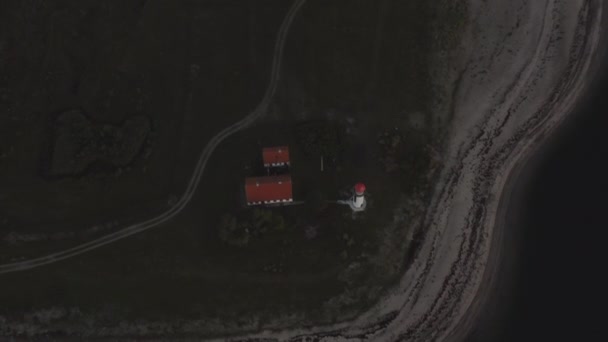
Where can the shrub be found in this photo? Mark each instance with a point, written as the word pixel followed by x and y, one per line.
pixel 233 232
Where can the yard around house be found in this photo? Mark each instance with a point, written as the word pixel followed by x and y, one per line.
pixel 359 70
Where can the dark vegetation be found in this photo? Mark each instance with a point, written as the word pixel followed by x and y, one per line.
pixel 355 93
pixel 319 138
pixel 78 143
pixel 181 66
pixel 257 223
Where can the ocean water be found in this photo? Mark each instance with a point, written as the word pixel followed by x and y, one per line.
pixel 552 284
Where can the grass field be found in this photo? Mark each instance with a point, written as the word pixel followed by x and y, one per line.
pixel 181 66
pixel 192 68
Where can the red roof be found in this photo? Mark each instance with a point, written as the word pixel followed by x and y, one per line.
pixel 273 189
pixel 359 188
pixel 274 156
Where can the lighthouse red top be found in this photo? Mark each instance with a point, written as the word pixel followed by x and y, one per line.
pixel 359 188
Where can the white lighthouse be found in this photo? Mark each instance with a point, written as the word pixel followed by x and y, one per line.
pixel 357 201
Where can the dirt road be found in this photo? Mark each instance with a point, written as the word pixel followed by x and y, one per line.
pixel 258 112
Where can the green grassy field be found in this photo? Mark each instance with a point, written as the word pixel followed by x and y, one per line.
pixel 358 67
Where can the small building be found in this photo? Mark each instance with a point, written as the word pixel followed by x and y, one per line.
pixel 276 156
pixel 268 190
pixel 358 199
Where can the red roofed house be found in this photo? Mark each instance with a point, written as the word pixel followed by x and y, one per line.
pixel 268 190
pixel 276 156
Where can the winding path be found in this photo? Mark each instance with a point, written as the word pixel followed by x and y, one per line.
pixel 257 113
